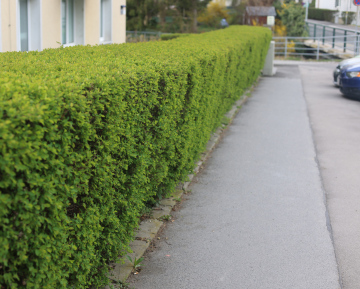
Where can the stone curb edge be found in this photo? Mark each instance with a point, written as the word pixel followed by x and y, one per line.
pixel 149 228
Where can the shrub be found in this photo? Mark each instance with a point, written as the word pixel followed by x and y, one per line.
pixel 321 14
pixel 292 15
pixel 91 134
pixel 349 19
pixel 165 37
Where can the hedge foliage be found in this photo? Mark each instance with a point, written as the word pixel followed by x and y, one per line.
pixel 89 135
pixel 321 14
pixel 348 17
pixel 165 37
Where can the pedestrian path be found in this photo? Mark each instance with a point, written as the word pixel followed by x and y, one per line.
pixel 255 217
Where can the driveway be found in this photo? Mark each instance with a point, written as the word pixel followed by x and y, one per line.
pixel 335 122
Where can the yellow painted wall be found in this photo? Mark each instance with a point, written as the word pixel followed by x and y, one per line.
pixel 118 22
pixel 8 25
pixel 51 23
pixel 92 22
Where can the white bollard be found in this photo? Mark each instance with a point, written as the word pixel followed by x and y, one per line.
pixel 269 69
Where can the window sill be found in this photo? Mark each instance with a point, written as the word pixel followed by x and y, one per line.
pixel 105 42
pixel 68 44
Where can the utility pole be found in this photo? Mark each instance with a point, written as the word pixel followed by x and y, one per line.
pixel 357 19
pixel 347 11
pixel 307 10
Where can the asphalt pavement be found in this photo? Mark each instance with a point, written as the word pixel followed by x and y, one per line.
pixel 257 215
pixel 335 122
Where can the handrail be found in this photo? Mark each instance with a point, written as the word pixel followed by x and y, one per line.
pixel 332 27
pixel 324 47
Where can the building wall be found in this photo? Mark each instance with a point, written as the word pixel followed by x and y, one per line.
pixel 347 6
pixel 92 22
pixel 50 31
pixel 118 22
pixel 344 5
pixel 8 25
pixel 0 30
pixel 325 4
pixel 51 23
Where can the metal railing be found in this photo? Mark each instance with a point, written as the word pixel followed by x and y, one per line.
pixel 142 36
pixel 317 47
pixel 347 39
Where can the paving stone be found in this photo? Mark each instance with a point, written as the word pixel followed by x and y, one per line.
pixel 168 202
pixel 190 177
pixel 198 166
pixel 139 247
pixel 186 185
pixel 122 271
pixel 166 210
pixel 148 229
pixel 177 194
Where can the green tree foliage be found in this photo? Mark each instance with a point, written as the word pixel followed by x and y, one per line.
pixel 292 15
pixel 237 12
pixel 164 15
pixel 89 135
pixel 192 8
pixel 140 14
pixel 214 12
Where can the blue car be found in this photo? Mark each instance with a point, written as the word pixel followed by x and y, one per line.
pixel 350 81
pixel 341 65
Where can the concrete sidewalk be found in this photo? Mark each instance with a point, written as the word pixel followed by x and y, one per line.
pixel 256 217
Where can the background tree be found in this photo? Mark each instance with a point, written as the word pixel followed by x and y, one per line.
pixel 292 15
pixel 140 13
pixel 237 12
pixel 214 12
pixel 192 9
pixel 146 14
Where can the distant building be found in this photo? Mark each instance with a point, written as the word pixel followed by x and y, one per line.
pixel 38 24
pixel 340 5
pixel 258 14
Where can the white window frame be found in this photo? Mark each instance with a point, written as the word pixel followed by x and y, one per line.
pixel 78 23
pixel 29 26
pixel 19 28
pixel 67 43
pixel 103 24
pixel 0 30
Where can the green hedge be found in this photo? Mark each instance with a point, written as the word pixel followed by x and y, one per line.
pixel 89 135
pixel 350 17
pixel 165 37
pixel 321 14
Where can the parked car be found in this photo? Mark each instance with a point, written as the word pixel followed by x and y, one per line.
pixel 342 64
pixel 349 81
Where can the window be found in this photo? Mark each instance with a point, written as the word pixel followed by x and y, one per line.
pixel 72 22
pixel 29 30
pixel 105 21
pixel 0 31
pixel 67 21
pixel 24 26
